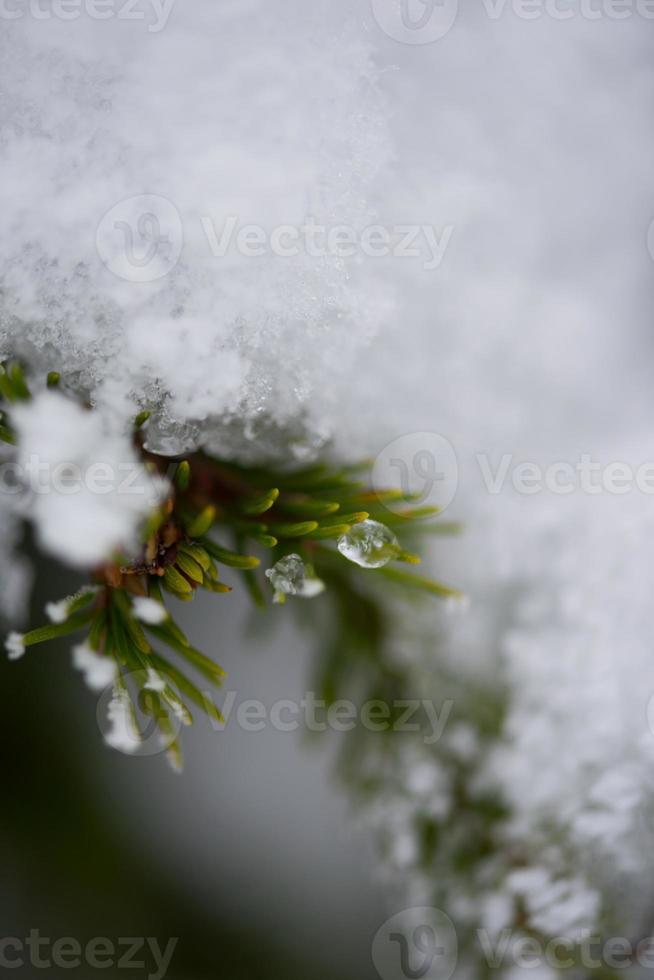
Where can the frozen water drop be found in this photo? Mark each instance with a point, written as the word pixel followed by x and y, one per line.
pixel 369 544
pixel 164 437
pixel 290 576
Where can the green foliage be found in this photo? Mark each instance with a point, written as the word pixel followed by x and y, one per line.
pixel 223 515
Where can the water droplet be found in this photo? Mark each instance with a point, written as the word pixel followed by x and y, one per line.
pixel 369 544
pixel 169 438
pixel 290 576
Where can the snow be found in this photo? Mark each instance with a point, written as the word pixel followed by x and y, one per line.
pixel 265 138
pixel 57 612
pixel 87 493
pixel 99 671
pixel 15 646
pixel 123 734
pixel 155 681
pixel 149 610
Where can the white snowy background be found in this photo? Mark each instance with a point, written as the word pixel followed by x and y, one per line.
pixel 532 140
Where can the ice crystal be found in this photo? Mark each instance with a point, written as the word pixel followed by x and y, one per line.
pixel 149 610
pixel 123 734
pixel 15 646
pixel 290 576
pixel 369 544
pixel 99 671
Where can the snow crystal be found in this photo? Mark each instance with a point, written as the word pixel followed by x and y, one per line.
pixel 57 612
pixel 149 610
pixel 290 576
pixel 15 646
pixel 99 670
pixel 155 681
pixel 123 734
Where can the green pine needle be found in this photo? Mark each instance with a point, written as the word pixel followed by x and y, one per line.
pixel 260 503
pixel 419 582
pixel 230 558
pixel 298 530
pixel 183 475
pixel 314 509
pixel 42 634
pixel 201 524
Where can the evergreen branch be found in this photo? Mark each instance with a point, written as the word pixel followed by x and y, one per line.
pixel 290 515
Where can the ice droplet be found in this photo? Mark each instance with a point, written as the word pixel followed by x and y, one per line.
pixel 164 437
pixel 369 544
pixel 289 576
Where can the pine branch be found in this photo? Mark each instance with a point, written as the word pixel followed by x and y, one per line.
pixel 281 524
